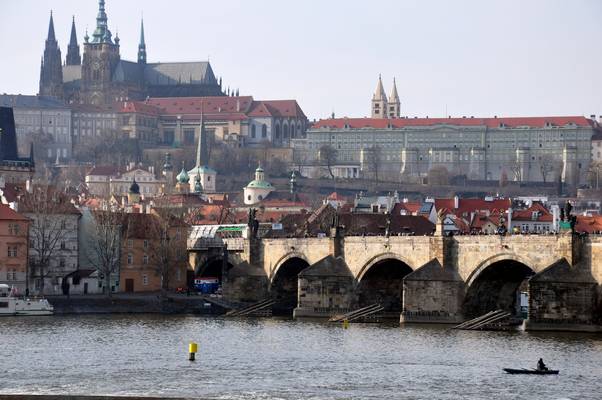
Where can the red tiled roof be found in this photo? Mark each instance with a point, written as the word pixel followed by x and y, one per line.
pixel 466 206
pixel 276 108
pixel 139 108
pixel 104 170
pixel 510 122
pixel 527 215
pixel 409 207
pixel 7 213
pixel 206 105
pixel 589 224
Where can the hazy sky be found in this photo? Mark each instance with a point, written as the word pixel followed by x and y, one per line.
pixel 471 57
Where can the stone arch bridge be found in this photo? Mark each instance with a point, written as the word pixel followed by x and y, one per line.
pixel 418 278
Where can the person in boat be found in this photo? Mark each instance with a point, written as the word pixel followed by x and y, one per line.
pixel 541 366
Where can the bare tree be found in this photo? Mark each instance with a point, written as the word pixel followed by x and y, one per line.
pixel 593 174
pixel 105 244
pixel 547 164
pixel 517 170
pixel 328 155
pixel 374 160
pixel 438 176
pixel 47 210
pixel 168 250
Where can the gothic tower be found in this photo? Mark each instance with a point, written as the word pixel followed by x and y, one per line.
pixel 51 72
pixel 101 56
pixel 73 57
pixel 379 101
pixel 394 104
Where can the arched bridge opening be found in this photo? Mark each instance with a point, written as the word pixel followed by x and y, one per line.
pixel 209 276
pixel 382 283
pixel 502 285
pixel 285 287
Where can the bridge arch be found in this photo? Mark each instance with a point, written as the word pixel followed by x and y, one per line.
pixel 380 281
pixel 498 283
pixel 283 284
pixel 211 267
pixel 379 258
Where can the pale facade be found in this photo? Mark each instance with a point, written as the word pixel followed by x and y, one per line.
pixel 91 123
pixel 107 181
pixel 524 149
pixel 35 115
pixel 64 251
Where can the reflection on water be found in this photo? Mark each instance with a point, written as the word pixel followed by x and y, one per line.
pixel 283 359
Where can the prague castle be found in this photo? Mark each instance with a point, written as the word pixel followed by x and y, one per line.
pixel 102 77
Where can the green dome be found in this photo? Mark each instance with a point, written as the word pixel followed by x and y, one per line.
pixel 260 184
pixel 202 170
pixel 183 176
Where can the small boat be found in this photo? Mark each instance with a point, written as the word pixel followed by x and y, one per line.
pixel 532 371
pixel 11 305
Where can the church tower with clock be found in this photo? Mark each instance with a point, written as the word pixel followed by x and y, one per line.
pixel 103 77
pixel 101 56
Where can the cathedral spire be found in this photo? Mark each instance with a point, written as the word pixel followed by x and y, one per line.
pixel 73 56
pixel 101 34
pixel 379 94
pixel 51 72
pixel 142 45
pixel 51 36
pixel 394 96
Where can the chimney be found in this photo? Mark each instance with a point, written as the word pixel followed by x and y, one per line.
pixel 237 105
pixel 456 202
pixel 28 186
pixel 2 182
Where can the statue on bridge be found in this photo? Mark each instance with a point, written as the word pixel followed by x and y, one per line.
pixel 253 223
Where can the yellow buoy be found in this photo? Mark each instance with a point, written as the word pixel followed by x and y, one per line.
pixel 345 323
pixel 192 349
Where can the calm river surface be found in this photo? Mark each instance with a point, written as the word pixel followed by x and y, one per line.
pixel 283 359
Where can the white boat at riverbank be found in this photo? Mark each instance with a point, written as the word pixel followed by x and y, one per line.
pixel 11 305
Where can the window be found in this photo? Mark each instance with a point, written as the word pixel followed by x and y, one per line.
pixel 62 263
pixel 145 280
pixel 264 131
pixel 249 197
pixel 145 244
pixel 178 234
pixel 13 229
pixel 12 251
pixel 130 258
pixel 145 259
pixel 130 243
pixel 253 131
pixel 63 246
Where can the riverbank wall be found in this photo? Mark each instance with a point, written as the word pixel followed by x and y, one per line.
pixel 131 304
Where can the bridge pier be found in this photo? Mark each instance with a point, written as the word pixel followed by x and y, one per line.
pixel 441 279
pixel 433 294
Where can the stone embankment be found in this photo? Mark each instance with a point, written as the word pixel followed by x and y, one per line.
pixel 130 303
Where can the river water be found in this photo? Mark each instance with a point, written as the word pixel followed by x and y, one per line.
pixel 284 359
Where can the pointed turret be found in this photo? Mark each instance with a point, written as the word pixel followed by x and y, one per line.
pixel 142 45
pixel 394 109
pixel 379 101
pixel 51 70
pixel 73 56
pixel 201 170
pixel 51 35
pixel 394 96
pixel 379 93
